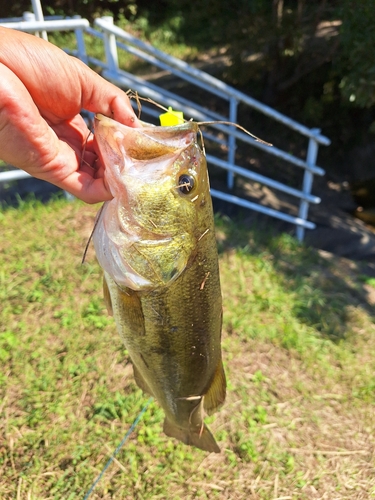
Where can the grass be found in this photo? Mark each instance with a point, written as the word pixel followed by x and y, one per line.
pixel 299 351
pixel 162 38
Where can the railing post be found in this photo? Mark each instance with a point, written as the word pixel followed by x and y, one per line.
pixel 110 47
pixel 312 154
pixel 81 47
pixel 232 140
pixel 38 12
pixel 29 17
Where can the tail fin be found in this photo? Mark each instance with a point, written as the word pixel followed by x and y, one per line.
pixel 200 438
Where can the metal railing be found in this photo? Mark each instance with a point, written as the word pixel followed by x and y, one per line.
pixel 114 39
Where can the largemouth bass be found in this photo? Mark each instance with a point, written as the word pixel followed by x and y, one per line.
pixel 155 241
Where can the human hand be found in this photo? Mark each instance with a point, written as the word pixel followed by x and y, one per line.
pixel 42 91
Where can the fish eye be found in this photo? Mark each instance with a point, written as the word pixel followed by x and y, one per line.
pixel 186 183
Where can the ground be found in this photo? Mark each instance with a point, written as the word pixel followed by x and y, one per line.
pixel 298 348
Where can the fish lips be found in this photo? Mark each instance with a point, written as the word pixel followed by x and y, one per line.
pixel 148 143
pixel 117 144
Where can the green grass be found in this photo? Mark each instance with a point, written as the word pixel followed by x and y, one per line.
pixel 299 351
pixel 162 38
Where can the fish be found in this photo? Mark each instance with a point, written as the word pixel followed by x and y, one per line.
pixel 155 241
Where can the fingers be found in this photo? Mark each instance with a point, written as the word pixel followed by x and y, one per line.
pixel 27 142
pixel 61 85
pixel 25 138
pixel 101 96
pixel 44 70
pixel 85 187
pixel 42 91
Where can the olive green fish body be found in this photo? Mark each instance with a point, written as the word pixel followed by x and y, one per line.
pixel 161 273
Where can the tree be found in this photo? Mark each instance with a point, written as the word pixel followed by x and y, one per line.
pixel 356 63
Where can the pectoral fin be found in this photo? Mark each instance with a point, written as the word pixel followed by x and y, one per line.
pixel 130 310
pixel 193 436
pixel 215 396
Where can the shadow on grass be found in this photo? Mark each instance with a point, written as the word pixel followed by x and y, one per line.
pixel 327 290
pixel 25 191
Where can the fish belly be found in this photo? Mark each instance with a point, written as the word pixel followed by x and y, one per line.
pixel 173 338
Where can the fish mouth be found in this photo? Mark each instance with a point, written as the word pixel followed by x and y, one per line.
pixel 139 152
pixel 149 142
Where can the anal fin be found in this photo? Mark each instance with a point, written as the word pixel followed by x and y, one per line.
pixel 215 396
pixel 199 437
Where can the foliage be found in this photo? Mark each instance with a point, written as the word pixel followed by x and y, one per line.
pixel 278 43
pixel 356 64
pixel 85 8
pixel 298 347
pixel 311 60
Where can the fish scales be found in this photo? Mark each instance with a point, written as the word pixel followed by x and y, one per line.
pixel 156 244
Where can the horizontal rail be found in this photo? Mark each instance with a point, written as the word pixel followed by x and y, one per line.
pixel 274 151
pixel 264 210
pixel 13 175
pixel 124 79
pixel 125 41
pixel 248 174
pixel 214 82
pixel 16 175
pixel 160 64
pixel 58 25
pixel 153 60
pixel 19 19
pixel 10 19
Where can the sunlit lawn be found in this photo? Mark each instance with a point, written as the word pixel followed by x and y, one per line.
pixel 298 345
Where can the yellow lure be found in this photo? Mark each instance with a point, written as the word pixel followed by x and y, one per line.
pixel 171 118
